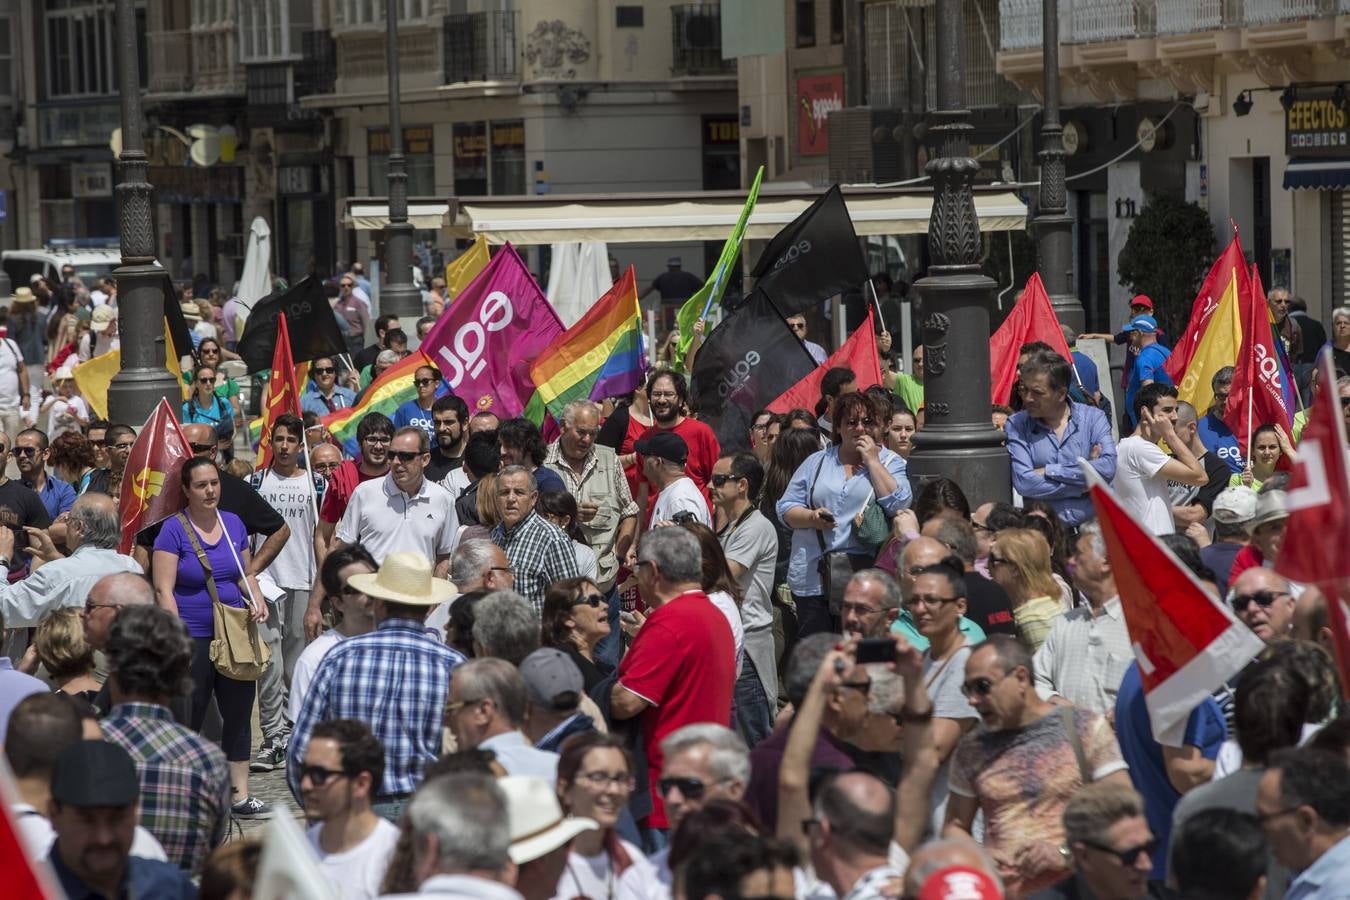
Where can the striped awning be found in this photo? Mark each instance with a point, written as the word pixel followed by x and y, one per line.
pixel 1317 174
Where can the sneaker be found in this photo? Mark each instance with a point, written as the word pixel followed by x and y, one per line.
pixel 271 755
pixel 250 808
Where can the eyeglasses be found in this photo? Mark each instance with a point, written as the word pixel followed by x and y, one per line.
pixel 202 448
pixel 124 446
pixel 594 601
pixel 859 609
pixel 325 370
pixel 405 456
pixel 423 382
pixel 98 442
pixel 455 706
pixel 1264 599
pixel 719 480
pixel 377 439
pixel 690 788
pixel 319 776
pixel 26 451
pixel 981 687
pixel 861 423
pixel 324 466
pixel 929 601
pixel 1127 857
pixel 206 350
pixel 797 326
pixel 90 606
pixel 601 780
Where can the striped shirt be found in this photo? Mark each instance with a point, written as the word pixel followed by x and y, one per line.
pixel 185 783
pixel 396 680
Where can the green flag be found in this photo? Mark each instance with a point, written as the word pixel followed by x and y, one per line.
pixel 697 306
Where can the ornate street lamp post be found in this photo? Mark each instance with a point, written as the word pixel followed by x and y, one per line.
pixel 144 377
pixel 399 296
pixel 1053 226
pixel 958 439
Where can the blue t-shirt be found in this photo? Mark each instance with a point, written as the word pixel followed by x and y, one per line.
pixel 1087 372
pixel 57 496
pixel 548 480
pixel 1219 439
pixel 1148 366
pixel 189 586
pixel 412 413
pixel 1144 755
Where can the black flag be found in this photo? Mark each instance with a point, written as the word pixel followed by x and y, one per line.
pixel 814 257
pixel 310 321
pixel 179 333
pixel 749 360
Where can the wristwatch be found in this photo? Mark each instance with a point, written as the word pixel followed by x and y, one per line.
pixel 909 715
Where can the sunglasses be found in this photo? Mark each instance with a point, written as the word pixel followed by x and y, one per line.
pixel 797 326
pixel 1127 857
pixel 125 446
pixel 861 423
pixel 206 381
pixel 690 788
pixel 1263 599
pixel 405 456
pixel 423 382
pixel 980 687
pixel 719 480
pixel 594 601
pixel 25 451
pixel 319 776
pixel 202 448
pixel 325 370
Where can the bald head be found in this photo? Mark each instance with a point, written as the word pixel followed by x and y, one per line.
pixel 919 553
pixel 937 855
pixel 107 597
pixel 1311 619
pixel 859 812
pixel 198 433
pixel 1262 600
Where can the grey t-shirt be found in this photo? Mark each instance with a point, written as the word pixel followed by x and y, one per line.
pixel 753 545
pixel 944 681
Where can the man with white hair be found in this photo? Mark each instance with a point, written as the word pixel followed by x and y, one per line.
pixel 702 762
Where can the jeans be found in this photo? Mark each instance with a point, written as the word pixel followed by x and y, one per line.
pixel 610 646
pixel 752 718
pixel 813 615
pixel 235 699
pixel 391 810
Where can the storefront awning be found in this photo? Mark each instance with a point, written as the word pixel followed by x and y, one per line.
pixel 1317 173
pixel 372 216
pixel 632 220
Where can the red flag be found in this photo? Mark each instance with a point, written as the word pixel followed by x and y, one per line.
pixel 858 353
pixel 1203 308
pixel 283 391
pixel 1313 551
pixel 151 491
pixel 1032 319
pixel 1186 641
pixel 27 879
pixel 1257 395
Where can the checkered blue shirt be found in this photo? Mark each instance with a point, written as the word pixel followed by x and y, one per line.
pixel 540 553
pixel 395 679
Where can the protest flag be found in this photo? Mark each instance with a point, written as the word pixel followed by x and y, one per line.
pixel 314 328
pixel 1031 319
pixel 391 389
pixel 858 353
pixel 283 392
pixel 750 359
pixel 599 356
pixel 1212 290
pixel 28 878
pixel 1186 641
pixel 1218 345
pixel 814 257
pixel 1318 502
pixel 1257 396
pixel 463 269
pixel 697 306
pixel 151 491
pixel 179 336
pixel 288 868
pixel 485 343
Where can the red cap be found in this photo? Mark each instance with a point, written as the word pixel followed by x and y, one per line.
pixel 959 883
pixel 1141 300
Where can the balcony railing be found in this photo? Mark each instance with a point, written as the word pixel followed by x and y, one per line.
pixel 482 47
pixel 1263 12
pixel 696 39
pixel 317 73
pixel 1086 21
pixel 1020 23
pixel 198 61
pixel 1188 16
pixel 1109 20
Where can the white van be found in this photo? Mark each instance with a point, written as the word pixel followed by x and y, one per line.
pixel 90 263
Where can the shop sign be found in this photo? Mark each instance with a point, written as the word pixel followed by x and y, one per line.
pixel 818 95
pixel 1316 124
pixel 417 140
pixel 88 180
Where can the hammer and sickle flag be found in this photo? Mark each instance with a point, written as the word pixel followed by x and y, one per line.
pixel 151 491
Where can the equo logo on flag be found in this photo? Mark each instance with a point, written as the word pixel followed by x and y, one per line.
pixel 463 354
pixel 793 253
pixel 1268 366
pixel 739 375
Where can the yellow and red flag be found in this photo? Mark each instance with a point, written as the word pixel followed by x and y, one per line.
pixel 1259 395
pixel 1214 333
pixel 151 491
pixel 283 391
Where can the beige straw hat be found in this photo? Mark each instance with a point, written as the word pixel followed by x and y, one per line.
pixel 405 578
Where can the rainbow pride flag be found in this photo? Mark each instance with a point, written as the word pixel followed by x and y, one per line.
pixel 385 394
pixel 600 356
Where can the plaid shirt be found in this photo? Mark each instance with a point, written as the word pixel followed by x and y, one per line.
pixel 395 679
pixel 185 783
pixel 540 554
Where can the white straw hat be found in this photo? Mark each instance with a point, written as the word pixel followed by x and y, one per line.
pixel 538 825
pixel 405 578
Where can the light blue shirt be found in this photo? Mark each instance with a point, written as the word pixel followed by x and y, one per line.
pixel 519 757
pixel 313 401
pixel 846 498
pixel 1325 879
pixel 1034 446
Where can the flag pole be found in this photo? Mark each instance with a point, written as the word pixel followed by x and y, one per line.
pixel 876 303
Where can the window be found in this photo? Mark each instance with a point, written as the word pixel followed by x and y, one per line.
pixel 6 57
pixel 267 30
pixel 508 157
pixel 627 17
pixel 836 21
pixel 419 160
pixel 806 23
pixel 356 13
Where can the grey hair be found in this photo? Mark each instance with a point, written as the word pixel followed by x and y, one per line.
pixel 1340 312
pixel 1070 336
pixel 1343 381
pixel 387 358
pixel 493 679
pixel 98 524
pixel 804 662
pixel 890 596
pixel 468 815
pixel 676 552
pixel 471 562
pixel 935 859
pixel 1093 530
pixel 506 626
pixel 1186 414
pixel 887 693
pixel 728 756
pixel 570 410
pixel 518 470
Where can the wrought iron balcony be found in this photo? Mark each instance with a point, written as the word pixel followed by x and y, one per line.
pixel 200 61
pixel 1264 12
pixel 482 46
pixel 696 38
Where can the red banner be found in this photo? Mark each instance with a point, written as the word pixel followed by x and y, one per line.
pixel 151 491
pixel 283 391
pixel 817 96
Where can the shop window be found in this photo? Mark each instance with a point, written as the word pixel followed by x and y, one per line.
pixel 418 156
pixel 806 22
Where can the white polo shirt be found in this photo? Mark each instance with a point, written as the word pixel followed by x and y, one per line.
pixel 385 520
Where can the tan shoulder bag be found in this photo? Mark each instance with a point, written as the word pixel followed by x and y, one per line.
pixel 237 651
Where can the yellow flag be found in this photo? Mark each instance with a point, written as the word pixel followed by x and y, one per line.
pixel 1218 348
pixel 465 268
pixel 94 377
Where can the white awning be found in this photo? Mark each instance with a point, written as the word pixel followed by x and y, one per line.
pixel 374 216
pixel 526 220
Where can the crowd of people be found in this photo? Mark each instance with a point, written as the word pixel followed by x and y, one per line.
pixel 630 663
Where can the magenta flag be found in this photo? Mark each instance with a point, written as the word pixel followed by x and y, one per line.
pixel 486 340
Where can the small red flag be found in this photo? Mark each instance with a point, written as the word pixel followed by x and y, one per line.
pixel 858 353
pixel 1032 319
pixel 283 391
pixel 26 878
pixel 1186 641
pixel 1203 308
pixel 1313 551
pixel 1257 395
pixel 151 491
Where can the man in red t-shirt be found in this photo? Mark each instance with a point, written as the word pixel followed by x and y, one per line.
pixel 681 668
pixel 668 395
pixel 373 434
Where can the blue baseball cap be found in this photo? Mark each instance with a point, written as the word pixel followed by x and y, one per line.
pixel 1146 324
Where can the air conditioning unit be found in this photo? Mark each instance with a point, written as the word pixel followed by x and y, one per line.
pixel 863 148
pixel 701 31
